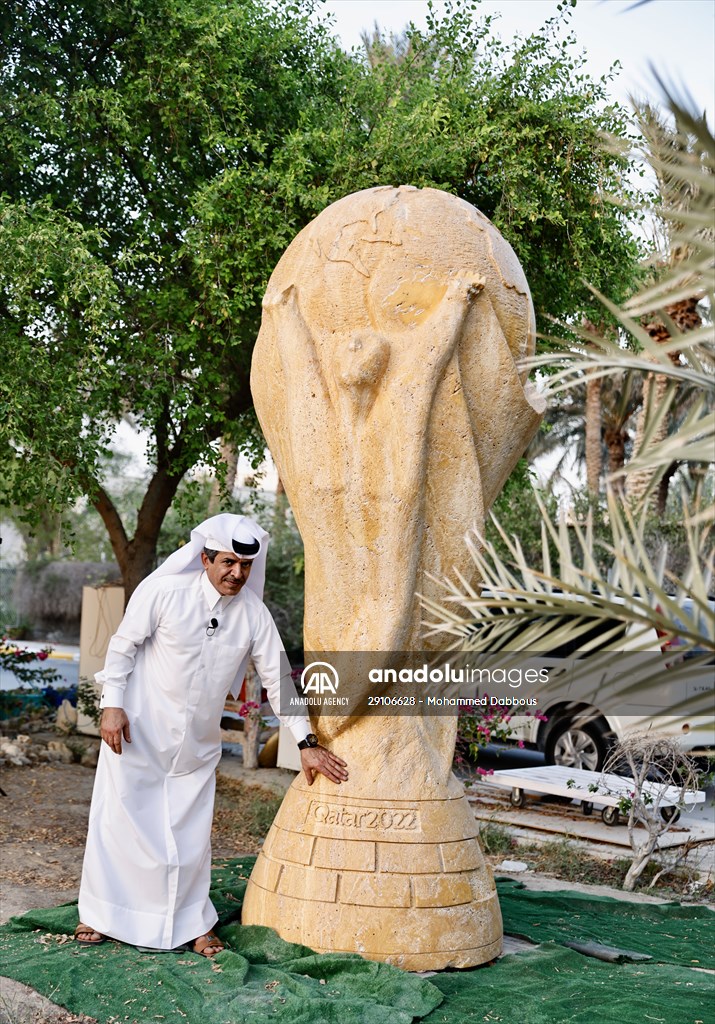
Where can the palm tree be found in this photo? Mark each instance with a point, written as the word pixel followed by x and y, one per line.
pixel 622 397
pixel 609 405
pixel 382 50
pixel 607 412
pixel 551 603
pixel 674 148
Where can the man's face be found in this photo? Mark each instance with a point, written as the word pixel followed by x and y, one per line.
pixel 227 573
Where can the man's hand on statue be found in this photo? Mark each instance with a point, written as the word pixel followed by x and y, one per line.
pixel 114 725
pixel 319 760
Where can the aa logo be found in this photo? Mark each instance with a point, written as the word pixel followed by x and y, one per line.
pixel 319 677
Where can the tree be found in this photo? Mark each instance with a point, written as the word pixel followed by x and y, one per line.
pixel 676 147
pixel 565 433
pixel 515 128
pixel 117 116
pixel 665 781
pixel 159 158
pixel 593 423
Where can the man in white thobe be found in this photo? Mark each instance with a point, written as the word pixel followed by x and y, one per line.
pixel 181 648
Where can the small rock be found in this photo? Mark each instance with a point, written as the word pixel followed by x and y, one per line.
pixel 90 757
pixel 59 751
pixel 14 754
pixel 15 751
pixel 17 759
pixel 512 865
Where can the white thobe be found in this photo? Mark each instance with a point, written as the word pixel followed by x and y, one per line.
pixel 147 865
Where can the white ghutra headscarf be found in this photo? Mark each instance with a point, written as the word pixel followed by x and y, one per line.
pixel 220 532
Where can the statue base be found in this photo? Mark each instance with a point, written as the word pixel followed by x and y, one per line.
pixel 404 882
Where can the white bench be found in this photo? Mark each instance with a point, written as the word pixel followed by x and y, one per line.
pixel 590 788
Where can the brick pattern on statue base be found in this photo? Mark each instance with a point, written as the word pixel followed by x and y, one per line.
pixel 406 883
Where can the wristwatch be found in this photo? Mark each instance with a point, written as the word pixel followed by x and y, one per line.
pixel 311 740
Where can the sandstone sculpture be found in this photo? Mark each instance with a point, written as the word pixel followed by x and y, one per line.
pixel 385 378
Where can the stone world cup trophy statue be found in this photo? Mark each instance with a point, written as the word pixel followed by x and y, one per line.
pixel 386 381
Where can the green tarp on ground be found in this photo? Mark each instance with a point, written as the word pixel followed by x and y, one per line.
pixel 669 932
pixel 262 979
pixel 553 985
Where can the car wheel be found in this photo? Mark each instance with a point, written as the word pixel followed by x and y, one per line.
pixel 575 745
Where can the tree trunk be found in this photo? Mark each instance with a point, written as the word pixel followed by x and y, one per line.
pixel 229 455
pixel 640 862
pixel 685 316
pixel 137 557
pixel 593 435
pixel 663 489
pixel 698 474
pixel 616 447
pixel 252 721
pixel 593 427
pixel 655 387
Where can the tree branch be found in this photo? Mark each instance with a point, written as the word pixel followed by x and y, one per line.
pixel 106 508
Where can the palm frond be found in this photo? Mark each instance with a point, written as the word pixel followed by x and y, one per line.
pixel 525 611
pixel 694 442
pixel 522 607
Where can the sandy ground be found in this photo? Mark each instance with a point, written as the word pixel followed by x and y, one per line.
pixel 42 829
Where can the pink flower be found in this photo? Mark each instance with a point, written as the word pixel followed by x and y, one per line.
pixel 247 707
pixel 520 744
pixel 485 771
pixel 42 655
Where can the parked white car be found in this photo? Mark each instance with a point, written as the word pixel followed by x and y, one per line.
pixel 586 710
